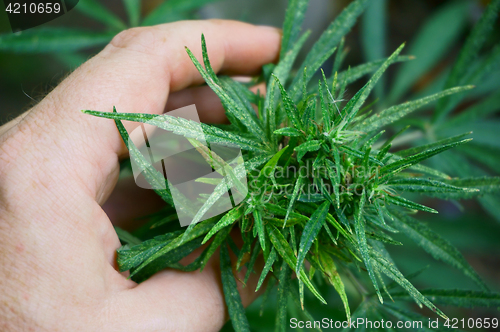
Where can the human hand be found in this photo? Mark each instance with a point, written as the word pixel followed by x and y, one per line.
pixel 58 166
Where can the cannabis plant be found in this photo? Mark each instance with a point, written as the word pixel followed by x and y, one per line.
pixel 66 43
pixel 326 188
pixel 477 63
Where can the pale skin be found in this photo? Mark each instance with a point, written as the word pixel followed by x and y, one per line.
pixel 59 166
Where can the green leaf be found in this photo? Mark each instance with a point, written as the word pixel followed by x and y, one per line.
pixel 228 219
pixel 151 175
pixel 203 259
pixel 296 190
pixel 468 54
pixel 334 174
pixel 294 17
pixel 388 143
pixel 351 75
pixel 395 113
pixel 308 146
pixel 186 128
pixel 282 72
pixel 381 237
pixel 166 261
pixel 434 244
pixel 293 239
pixel 267 171
pixel 359 154
pixel 252 164
pixel 281 245
pixel 425 186
pixel 379 218
pixel 337 226
pixel 404 163
pixel 259 224
pixel 197 231
pixel 359 226
pixel 330 234
pixel 129 257
pixel 331 272
pixel 418 167
pixel 410 276
pixel 311 198
pixel 309 112
pixel 231 295
pixel 249 120
pixel 397 200
pixel 486 185
pixel 282 297
pixel 422 148
pixel 433 41
pixel 242 97
pixel 244 252
pixel 324 109
pixel 288 131
pixel 170 10
pixel 370 142
pixel 97 11
pixel 283 248
pixel 238 92
pixel 282 212
pixel 390 270
pixel 326 44
pixel 284 67
pixel 289 106
pixel 311 231
pixel 221 189
pixel 458 298
pixel 133 8
pixel 46 40
pixel 251 263
pixel 270 111
pixel 323 189
pixel 126 237
pixel 267 267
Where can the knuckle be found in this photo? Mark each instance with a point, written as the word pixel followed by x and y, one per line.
pixel 140 39
pixel 125 37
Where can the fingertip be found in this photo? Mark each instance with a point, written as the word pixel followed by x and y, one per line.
pixel 275 35
pixel 277 32
pixel 247 47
